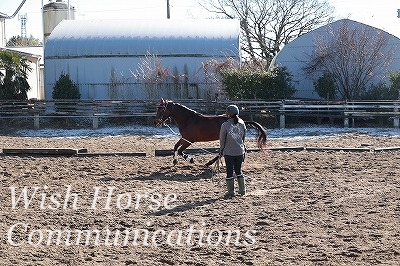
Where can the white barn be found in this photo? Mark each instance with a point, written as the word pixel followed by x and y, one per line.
pixel 294 55
pixel 107 57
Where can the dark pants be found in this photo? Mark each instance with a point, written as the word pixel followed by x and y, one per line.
pixel 233 164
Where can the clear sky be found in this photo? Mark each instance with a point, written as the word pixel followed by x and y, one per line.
pixel 381 14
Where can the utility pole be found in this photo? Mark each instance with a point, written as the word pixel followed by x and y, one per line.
pixel 3 18
pixel 68 12
pixel 398 15
pixel 168 13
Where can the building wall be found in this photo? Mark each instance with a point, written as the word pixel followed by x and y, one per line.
pixel 3 40
pixel 34 79
pixel 114 78
pixel 103 57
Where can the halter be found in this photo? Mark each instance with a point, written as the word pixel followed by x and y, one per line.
pixel 163 108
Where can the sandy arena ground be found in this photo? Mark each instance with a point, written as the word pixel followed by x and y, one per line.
pixel 302 207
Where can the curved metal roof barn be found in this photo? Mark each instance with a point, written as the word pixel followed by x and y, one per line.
pixel 295 54
pixel 138 37
pixel 94 52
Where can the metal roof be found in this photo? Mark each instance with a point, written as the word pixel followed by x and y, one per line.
pixel 167 37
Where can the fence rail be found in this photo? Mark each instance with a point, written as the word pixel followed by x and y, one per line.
pixel 95 109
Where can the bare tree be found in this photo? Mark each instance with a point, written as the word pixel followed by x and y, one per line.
pixel 151 72
pixel 267 25
pixel 212 76
pixel 354 56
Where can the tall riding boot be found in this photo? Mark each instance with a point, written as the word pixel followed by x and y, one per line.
pixel 230 185
pixel 242 185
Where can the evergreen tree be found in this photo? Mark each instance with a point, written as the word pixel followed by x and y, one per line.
pixel 65 88
pixel 13 78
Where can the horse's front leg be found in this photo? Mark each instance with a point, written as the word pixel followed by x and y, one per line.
pixel 177 145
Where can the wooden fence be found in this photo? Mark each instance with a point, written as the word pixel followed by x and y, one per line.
pixel 93 110
pixel 348 111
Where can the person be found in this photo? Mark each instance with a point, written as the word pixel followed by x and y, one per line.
pixel 232 147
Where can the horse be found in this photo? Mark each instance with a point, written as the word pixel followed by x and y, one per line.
pixel 197 127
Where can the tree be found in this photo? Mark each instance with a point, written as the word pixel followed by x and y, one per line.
pixel 151 72
pixel 267 25
pixel 382 91
pixel 13 78
pixel 257 84
pixel 395 84
pixel 325 86
pixel 23 41
pixel 213 77
pixel 65 88
pixel 354 56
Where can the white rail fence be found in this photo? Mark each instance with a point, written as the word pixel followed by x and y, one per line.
pixel 93 110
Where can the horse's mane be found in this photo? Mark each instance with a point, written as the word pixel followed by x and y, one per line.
pixel 187 108
pixel 195 112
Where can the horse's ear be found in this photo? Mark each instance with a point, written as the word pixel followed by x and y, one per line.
pixel 162 102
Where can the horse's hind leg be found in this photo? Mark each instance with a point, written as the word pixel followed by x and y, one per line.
pixel 179 147
pixel 184 155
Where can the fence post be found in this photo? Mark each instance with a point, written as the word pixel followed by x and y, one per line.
pixel 346 116
pixel 95 118
pixel 346 120
pixel 95 122
pixel 282 115
pixel 396 118
pixel 36 117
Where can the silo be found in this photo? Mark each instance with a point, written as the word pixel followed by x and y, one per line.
pixel 53 13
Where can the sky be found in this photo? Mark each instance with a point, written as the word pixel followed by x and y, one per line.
pixel 380 14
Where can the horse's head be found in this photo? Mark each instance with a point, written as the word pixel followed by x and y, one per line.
pixel 164 110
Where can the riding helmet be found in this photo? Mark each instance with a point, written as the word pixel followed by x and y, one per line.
pixel 232 110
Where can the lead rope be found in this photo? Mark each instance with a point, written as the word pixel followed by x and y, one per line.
pixel 217 167
pixel 216 171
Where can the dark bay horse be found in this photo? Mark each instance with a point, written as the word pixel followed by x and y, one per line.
pixel 196 127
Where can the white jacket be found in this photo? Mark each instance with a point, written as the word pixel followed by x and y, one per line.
pixel 231 137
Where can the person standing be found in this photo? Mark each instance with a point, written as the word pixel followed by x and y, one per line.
pixel 232 136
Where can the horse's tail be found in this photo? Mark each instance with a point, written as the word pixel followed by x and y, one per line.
pixel 261 134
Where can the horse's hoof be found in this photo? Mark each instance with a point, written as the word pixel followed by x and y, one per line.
pixel 191 160
pixel 175 161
